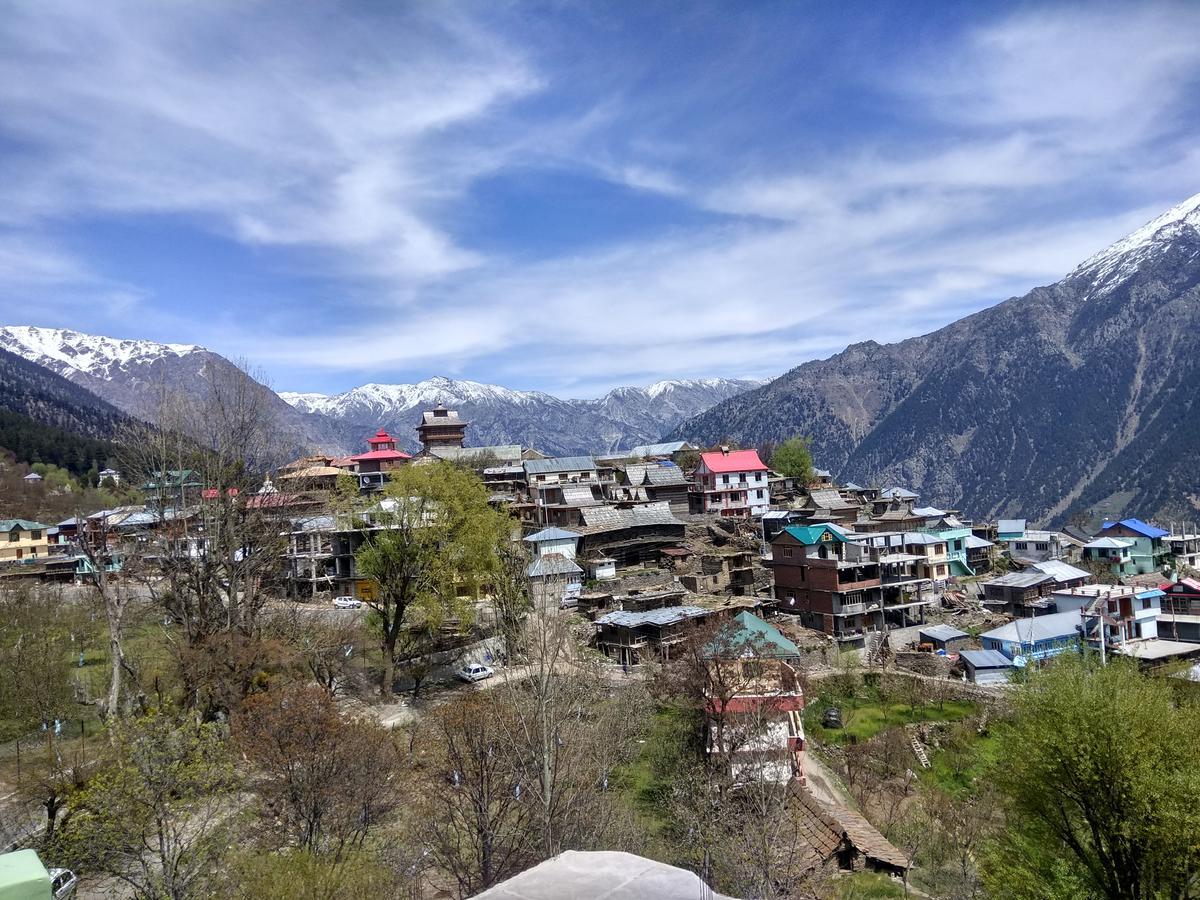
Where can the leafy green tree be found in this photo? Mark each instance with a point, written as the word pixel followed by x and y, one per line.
pixel 1098 776
pixel 432 542
pixel 793 458
pixel 161 814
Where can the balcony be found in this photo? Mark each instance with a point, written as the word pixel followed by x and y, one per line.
pixel 852 609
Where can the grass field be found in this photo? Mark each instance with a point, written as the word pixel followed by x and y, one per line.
pixel 866 716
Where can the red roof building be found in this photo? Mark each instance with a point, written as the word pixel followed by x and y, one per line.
pixel 732 483
pixel 382 456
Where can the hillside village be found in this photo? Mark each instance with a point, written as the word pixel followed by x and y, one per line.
pixel 643 550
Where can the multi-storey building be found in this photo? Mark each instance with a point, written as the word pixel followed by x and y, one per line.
pixel 845 585
pixel 23 541
pixel 732 483
pixel 441 427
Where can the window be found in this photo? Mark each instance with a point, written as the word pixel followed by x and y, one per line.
pixel 14 535
pixel 1041 545
pixel 1145 603
pixel 726 481
pixel 787 552
pixel 36 535
pixel 758 494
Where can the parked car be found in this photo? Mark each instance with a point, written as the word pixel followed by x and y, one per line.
pixel 474 672
pixel 346 603
pixel 63 883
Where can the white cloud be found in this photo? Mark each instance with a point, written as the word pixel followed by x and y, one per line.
pixel 1026 145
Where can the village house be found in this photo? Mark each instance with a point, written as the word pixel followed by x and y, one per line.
pixel 653 483
pixel 980 553
pixel 311 566
pixel 1184 549
pixel 1036 638
pixel 754 702
pixel 630 536
pixel 731 483
pixel 1113 554
pixel 1127 613
pixel 554 572
pixel 828 505
pixel 1027 593
pixel 833 585
pixel 944 637
pixel 1180 617
pixel 1149 552
pixel 955 533
pixel 672 450
pixel 23 541
pixel 560 488
pixel 630 636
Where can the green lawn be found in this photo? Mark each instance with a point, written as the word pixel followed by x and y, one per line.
pixel 965 758
pixel 646 782
pixel 866 716
pixel 865 886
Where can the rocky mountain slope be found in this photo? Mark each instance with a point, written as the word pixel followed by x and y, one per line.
pixel 1080 396
pixel 498 415
pixel 132 375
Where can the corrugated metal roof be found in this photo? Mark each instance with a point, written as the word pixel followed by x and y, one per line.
pixel 1038 628
pixel 552 564
pixel 1142 528
pixel 986 659
pixel 560 464
pixel 667 615
pixel 1010 526
pixel 1060 571
pixel 665 449
pixel 976 543
pixel 942 632
pixel 1019 579
pixel 1110 543
pixel 553 534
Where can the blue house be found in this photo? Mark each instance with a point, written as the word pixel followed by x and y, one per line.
pixel 1039 637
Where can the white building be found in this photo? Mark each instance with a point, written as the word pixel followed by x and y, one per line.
pixel 732 483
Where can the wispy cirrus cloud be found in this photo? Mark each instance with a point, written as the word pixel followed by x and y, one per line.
pixel 783 204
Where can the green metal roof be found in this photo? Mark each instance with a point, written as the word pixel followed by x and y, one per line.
pixel 23 524
pixel 23 877
pixel 747 632
pixel 812 534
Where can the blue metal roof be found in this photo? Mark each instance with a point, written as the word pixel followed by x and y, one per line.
pixel 1145 530
pixel 986 659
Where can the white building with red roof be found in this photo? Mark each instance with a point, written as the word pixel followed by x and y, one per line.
pixel 732 483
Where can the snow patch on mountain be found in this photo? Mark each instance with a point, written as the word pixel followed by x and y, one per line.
pixel 65 351
pixel 1121 260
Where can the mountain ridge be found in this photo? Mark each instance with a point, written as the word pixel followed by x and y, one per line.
pixel 1036 406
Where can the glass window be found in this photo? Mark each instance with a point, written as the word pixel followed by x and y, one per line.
pixel 14 535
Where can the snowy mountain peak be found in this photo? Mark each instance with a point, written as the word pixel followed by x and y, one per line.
pixel 1113 264
pixel 65 351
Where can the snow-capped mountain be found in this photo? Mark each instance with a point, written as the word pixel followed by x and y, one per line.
pixel 131 374
pixel 620 419
pixel 128 373
pixel 1080 397
pixel 1112 265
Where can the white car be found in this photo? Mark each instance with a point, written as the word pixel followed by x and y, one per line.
pixel 346 603
pixel 474 672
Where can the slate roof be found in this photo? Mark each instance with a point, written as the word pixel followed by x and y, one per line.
pixel 579 495
pixel 1142 528
pixel 552 564
pixel 667 615
pixel 665 449
pixel 555 465
pixel 598 519
pixel 830 499
pixel 502 452
pixel 826 828
pixel 553 534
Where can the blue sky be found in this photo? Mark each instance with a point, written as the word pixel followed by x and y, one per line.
pixel 571 196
